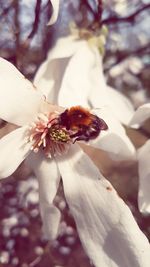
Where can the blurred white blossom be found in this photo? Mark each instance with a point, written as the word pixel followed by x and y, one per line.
pixel 143 154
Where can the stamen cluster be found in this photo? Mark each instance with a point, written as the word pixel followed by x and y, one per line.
pixel 49 135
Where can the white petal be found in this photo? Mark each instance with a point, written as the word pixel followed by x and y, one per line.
pixel 49 76
pixel 141 115
pixel 55 4
pixel 107 229
pixel 65 47
pixel 120 105
pixel 114 140
pixel 48 177
pixel 88 89
pixel 144 176
pixel 13 150
pixel 82 78
pixel 98 95
pixel 19 102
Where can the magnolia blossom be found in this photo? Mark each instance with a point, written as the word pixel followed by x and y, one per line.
pixel 140 116
pixel 73 74
pixel 107 229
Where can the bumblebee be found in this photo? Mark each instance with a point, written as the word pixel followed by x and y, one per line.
pixel 83 125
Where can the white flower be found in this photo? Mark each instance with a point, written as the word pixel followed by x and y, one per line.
pixel 73 74
pixel 144 175
pixel 107 229
pixel 140 116
pixel 55 5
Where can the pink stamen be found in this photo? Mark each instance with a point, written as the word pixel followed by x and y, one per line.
pixel 45 134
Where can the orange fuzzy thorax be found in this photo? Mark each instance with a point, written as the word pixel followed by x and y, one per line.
pixel 79 116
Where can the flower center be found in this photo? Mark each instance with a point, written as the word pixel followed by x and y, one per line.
pixel 58 135
pixel 54 134
pixel 48 135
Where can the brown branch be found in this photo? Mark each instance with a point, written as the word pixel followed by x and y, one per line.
pixel 6 10
pixel 96 14
pixel 100 10
pixel 17 31
pixel 36 20
pixel 35 25
pixel 130 19
pixel 122 55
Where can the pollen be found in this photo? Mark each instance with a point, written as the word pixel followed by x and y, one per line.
pixel 59 135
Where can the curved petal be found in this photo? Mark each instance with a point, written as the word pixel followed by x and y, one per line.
pixel 82 78
pixel 120 105
pixel 65 47
pixel 48 177
pixel 13 150
pixel 19 102
pixel 98 95
pixel 144 176
pixel 114 140
pixel 107 229
pixel 141 115
pixel 55 4
pixel 49 76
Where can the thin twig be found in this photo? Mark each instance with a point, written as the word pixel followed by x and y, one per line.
pixel 6 10
pixel 123 55
pixel 36 20
pixel 131 18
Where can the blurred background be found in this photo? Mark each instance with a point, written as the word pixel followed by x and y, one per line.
pixel 25 40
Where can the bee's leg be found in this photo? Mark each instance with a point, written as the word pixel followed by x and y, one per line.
pixel 82 138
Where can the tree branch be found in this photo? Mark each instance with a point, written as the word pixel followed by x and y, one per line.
pixel 126 54
pixel 131 18
pixel 6 10
pixel 100 10
pixel 36 20
pixel 97 14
